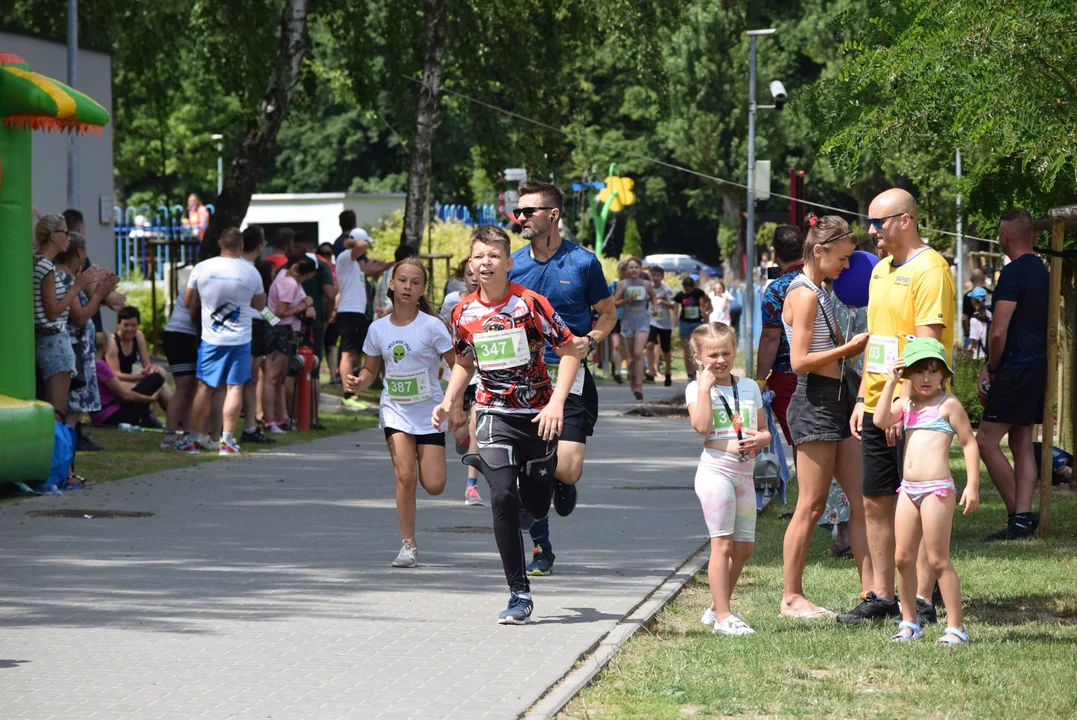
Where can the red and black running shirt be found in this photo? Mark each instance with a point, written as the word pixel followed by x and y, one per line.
pixel 525 387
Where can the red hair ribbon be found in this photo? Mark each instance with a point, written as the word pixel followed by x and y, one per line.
pixel 812 220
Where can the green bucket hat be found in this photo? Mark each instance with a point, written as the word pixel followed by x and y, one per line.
pixel 922 348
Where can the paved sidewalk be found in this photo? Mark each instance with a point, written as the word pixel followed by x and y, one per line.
pixel 261 586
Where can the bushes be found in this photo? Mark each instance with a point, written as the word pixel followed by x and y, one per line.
pixel 137 290
pixel 966 382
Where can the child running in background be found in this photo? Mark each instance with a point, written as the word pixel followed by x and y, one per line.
pixel 931 417
pixel 728 412
pixel 504 329
pixel 409 341
pixel 465 435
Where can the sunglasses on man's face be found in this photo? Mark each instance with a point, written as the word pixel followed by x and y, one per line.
pixel 527 212
pixel 877 223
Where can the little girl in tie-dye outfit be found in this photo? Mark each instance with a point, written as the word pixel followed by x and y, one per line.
pixel 728 413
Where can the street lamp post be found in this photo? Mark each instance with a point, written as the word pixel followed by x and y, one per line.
pixel 220 163
pixel 749 263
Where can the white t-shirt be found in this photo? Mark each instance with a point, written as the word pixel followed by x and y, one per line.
pixel 225 287
pixel 451 300
pixel 750 402
pixel 351 281
pixel 662 316
pixel 411 355
pixel 720 314
pixel 977 337
pixel 180 321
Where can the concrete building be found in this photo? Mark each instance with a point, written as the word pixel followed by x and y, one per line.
pixel 318 213
pixel 49 171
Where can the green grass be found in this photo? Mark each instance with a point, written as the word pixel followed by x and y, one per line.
pixel 1021 613
pixel 130 454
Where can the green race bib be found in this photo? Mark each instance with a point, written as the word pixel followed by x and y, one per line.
pixel 501 349
pixel 408 388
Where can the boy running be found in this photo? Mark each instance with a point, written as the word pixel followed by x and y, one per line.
pixel 503 328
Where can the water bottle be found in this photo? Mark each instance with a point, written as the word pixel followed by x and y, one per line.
pixel 128 427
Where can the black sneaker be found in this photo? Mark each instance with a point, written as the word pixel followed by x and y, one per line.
pixel 648 378
pixel 618 379
pixel 871 608
pixel 1010 532
pixel 925 613
pixel 256 436
pixel 668 382
pixel 564 498
pixel 85 444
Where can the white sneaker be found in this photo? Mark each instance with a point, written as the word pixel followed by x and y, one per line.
pixel 408 557
pixel 275 429
pixel 732 625
pixel 709 617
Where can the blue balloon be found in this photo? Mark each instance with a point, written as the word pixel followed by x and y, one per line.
pixel 851 286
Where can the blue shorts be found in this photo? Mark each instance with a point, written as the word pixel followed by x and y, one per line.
pixel 227 364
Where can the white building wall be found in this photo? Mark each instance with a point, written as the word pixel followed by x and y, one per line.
pixel 322 208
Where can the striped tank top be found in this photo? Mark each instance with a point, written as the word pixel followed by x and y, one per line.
pixel 821 339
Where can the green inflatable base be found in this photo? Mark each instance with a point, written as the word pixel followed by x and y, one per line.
pixel 27 432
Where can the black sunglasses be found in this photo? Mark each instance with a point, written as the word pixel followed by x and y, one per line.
pixel 527 212
pixel 877 223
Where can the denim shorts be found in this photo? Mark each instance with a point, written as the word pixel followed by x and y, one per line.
pixel 816 414
pixel 54 354
pixel 685 329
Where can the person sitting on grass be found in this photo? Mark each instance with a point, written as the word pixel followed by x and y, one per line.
pixel 123 402
pixel 128 346
pixel 931 417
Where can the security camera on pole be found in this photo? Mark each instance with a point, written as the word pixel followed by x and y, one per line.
pixel 780 96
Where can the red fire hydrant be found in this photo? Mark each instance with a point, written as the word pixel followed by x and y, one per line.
pixel 302 402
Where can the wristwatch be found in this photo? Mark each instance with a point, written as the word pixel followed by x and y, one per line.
pixel 859 399
pixel 592 343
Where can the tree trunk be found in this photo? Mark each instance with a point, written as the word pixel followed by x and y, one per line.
pixel 1067 347
pixel 257 147
pixel 421 150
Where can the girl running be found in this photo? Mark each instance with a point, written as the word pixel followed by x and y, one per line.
pixel 931 417
pixel 465 434
pixel 727 411
pixel 409 341
pixel 633 294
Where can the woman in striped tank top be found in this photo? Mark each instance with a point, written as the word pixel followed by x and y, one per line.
pixel 820 408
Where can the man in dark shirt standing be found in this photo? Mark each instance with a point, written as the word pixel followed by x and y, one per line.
pixel 772 363
pixel 1016 372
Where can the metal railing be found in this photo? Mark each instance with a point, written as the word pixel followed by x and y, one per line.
pixel 150 240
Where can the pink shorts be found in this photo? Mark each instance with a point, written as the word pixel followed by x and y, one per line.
pixel 917 491
pixel 726 490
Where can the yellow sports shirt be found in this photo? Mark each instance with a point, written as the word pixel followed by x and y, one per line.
pixel 918 292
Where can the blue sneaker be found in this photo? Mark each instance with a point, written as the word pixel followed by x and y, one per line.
pixel 564 498
pixel 542 563
pixel 517 612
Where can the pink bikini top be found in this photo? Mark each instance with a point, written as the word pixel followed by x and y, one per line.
pixel 929 418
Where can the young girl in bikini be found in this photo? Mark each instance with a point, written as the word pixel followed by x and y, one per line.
pixel 931 417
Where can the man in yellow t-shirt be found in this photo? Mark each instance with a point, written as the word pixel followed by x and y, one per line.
pixel 911 295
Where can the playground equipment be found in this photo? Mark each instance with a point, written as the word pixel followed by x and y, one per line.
pixel 28 101
pixel 613 196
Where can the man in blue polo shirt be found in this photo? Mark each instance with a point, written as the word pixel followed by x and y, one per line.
pixel 571 278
